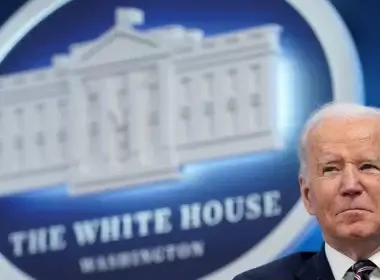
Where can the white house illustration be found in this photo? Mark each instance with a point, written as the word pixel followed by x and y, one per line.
pixel 131 107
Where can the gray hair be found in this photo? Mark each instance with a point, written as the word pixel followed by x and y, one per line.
pixel 341 110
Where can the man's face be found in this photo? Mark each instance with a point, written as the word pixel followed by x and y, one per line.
pixel 342 186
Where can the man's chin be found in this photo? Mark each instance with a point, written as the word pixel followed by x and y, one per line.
pixel 358 231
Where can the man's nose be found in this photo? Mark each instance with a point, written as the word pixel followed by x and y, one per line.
pixel 350 181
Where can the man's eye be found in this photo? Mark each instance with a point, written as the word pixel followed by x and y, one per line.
pixel 368 166
pixel 329 169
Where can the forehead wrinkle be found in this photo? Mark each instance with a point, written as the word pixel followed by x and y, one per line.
pixel 354 139
pixel 325 152
pixel 336 130
pixel 362 154
pixel 316 138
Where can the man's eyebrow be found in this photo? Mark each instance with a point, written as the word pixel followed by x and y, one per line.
pixel 327 160
pixel 371 159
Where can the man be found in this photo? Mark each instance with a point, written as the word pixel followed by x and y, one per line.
pixel 340 185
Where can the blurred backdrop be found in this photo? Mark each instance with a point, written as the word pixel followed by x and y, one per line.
pixel 158 139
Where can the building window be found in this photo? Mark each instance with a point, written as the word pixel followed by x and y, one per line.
pixel 93 130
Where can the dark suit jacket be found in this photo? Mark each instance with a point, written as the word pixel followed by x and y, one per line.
pixel 300 266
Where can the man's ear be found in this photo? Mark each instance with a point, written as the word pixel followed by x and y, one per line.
pixel 306 194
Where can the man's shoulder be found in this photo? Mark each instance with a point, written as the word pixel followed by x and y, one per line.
pixel 285 266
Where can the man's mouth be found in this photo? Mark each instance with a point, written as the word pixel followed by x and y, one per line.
pixel 353 210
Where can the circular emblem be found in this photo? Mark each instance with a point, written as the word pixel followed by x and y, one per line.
pixel 156 141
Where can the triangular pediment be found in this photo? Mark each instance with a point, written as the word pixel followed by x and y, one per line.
pixel 114 46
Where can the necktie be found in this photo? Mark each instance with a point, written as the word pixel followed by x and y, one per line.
pixel 362 269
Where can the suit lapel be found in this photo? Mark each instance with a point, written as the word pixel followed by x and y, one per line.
pixel 316 268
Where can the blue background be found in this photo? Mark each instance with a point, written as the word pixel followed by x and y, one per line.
pixel 204 181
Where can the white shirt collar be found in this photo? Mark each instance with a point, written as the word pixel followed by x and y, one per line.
pixel 340 263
